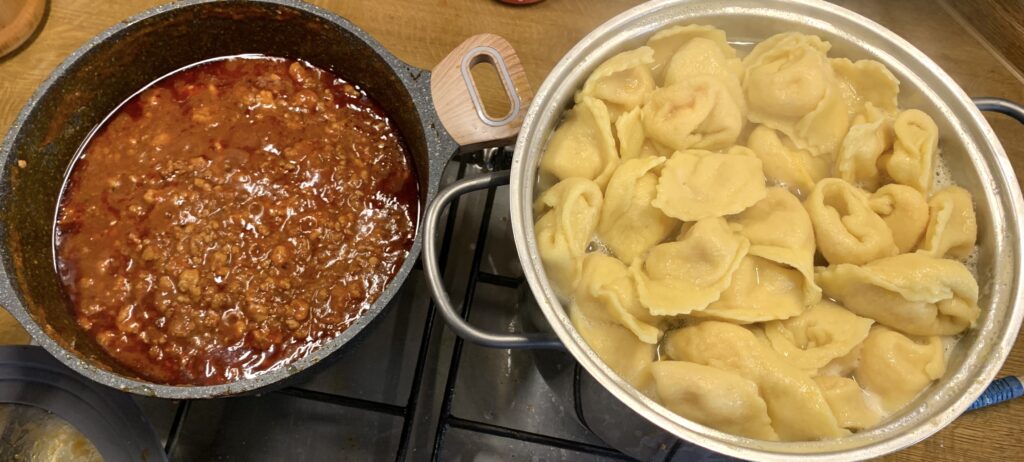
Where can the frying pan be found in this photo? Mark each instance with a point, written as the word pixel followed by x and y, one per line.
pixel 438 113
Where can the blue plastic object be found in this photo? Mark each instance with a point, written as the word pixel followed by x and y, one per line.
pixel 998 391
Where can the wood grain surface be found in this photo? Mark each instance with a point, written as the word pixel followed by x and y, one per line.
pixel 18 21
pixel 1000 22
pixel 422 32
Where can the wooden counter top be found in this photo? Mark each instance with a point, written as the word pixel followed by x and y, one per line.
pixel 421 32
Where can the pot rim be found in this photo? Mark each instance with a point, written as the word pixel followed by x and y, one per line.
pixel 439 145
pixel 640 22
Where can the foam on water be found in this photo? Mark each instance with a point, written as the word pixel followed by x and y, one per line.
pixel 943 175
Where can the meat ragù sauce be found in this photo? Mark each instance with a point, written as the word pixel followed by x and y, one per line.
pixel 232 217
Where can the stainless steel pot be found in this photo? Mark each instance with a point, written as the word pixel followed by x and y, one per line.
pixel 438 112
pixel 969 146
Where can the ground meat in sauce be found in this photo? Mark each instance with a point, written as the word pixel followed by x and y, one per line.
pixel 232 217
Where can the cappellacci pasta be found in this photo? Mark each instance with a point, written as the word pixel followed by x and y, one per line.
pixel 755 240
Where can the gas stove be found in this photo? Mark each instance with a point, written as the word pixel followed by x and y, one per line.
pixel 408 390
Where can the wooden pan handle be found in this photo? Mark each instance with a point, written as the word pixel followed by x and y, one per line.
pixel 458 102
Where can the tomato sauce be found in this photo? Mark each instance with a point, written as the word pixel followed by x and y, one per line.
pixel 232 217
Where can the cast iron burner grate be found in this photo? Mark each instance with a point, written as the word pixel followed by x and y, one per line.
pixel 428 423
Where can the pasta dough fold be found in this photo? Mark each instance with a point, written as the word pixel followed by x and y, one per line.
pixel 869 138
pixel 790 86
pixel 866 82
pixel 912 161
pixel 629 223
pixel 913 293
pixel 698 184
pixel 784 163
pixel 848 403
pixel 622 351
pixel 569 213
pixel 582 146
pixel 952 227
pixel 687 275
pixel 633 142
pixel 905 212
pixel 846 229
pixel 823 333
pixel 606 293
pixel 760 290
pixel 780 230
pixel 698 112
pixel 622 82
pixel 720 399
pixel 667 42
pixel 701 56
pixel 896 368
pixel 776 279
pixel 796 406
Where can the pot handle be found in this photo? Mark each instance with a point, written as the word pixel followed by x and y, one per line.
pixel 436 282
pixel 457 99
pixel 1002 106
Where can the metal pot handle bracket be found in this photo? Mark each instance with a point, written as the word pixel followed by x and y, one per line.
pixel 436 282
pixel 1002 106
pixel 461 111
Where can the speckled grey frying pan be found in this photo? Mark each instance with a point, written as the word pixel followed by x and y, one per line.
pixel 437 112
